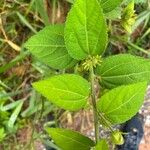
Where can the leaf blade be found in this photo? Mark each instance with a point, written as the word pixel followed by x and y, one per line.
pixel 48 46
pixel 14 115
pixel 123 69
pixel 85 36
pixel 118 106
pixel 67 139
pixel 67 91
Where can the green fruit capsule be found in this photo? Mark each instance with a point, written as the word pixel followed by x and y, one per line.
pixel 117 138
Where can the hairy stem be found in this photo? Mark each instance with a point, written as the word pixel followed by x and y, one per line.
pixel 93 96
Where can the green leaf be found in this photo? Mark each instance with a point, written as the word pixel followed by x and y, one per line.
pixel 123 69
pixel 86 30
pixel 67 91
pixel 14 116
pixel 140 19
pixel 10 106
pixel 70 140
pixel 25 21
pixel 114 14
pixel 2 134
pixel 48 46
pixel 102 145
pixel 109 5
pixel 42 10
pixel 120 104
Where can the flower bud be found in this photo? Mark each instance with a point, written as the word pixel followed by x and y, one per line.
pixel 117 138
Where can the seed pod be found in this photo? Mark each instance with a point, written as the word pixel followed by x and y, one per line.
pixel 117 138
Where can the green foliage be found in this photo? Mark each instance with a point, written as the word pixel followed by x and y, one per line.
pixel 14 116
pixel 2 134
pixel 9 119
pixel 48 47
pixel 102 145
pixel 123 69
pixel 40 7
pixel 70 140
pixel 121 103
pixel 67 91
pixel 84 26
pixel 109 5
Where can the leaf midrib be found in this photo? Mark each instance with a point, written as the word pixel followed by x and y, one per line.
pixel 123 103
pixel 125 75
pixel 86 32
pixel 54 88
pixel 119 65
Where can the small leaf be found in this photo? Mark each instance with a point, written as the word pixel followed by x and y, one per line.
pixel 48 47
pixel 67 91
pixel 117 138
pixel 2 134
pixel 14 115
pixel 120 104
pixel 109 5
pixel 70 140
pixel 102 145
pixel 25 22
pixel 86 30
pixel 10 106
pixel 123 69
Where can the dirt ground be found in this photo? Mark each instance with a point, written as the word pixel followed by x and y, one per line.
pixel 145 143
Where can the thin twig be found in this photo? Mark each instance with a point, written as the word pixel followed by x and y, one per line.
pixel 93 96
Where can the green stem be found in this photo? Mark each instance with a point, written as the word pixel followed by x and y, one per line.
pixel 93 96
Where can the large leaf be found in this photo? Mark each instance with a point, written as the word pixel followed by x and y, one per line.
pixel 67 91
pixel 109 5
pixel 123 69
pixel 86 30
pixel 48 46
pixel 120 104
pixel 70 140
pixel 102 145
